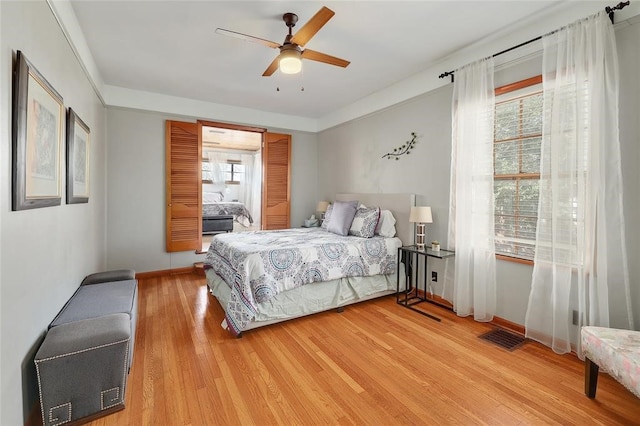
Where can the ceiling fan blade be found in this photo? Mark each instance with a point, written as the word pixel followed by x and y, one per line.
pixel 310 29
pixel 323 57
pixel 273 66
pixel 246 37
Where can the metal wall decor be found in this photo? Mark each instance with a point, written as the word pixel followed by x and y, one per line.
pixel 404 149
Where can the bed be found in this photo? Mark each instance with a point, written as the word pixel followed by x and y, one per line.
pixel 264 277
pixel 218 215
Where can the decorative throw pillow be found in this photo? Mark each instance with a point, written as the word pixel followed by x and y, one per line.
pixel 341 217
pixel 327 216
pixel 386 225
pixel 365 222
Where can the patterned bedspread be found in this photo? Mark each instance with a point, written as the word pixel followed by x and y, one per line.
pixel 234 208
pixel 258 265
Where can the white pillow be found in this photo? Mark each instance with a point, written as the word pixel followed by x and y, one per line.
pixel 212 197
pixel 327 216
pixel 386 224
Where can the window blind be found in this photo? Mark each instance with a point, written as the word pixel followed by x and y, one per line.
pixel 517 139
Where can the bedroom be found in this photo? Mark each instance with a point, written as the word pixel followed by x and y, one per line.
pixel 124 225
pixel 231 186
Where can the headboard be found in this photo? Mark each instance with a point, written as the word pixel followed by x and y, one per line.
pixel 399 204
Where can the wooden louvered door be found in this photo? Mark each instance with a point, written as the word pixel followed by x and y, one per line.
pixel 276 185
pixel 183 183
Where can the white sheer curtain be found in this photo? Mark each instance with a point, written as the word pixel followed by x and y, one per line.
pixel 216 160
pixel 251 188
pixel 471 224
pixel 580 247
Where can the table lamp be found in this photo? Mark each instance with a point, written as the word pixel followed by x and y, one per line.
pixel 420 215
pixel 322 208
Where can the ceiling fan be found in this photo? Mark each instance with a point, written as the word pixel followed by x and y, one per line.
pixel 291 52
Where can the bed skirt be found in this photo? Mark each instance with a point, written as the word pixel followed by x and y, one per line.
pixel 311 298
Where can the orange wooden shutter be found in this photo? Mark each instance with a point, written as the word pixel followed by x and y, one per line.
pixel 184 182
pixel 276 187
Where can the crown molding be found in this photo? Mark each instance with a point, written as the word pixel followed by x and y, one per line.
pixel 423 82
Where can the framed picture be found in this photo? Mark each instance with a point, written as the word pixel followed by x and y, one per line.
pixel 38 117
pixel 78 135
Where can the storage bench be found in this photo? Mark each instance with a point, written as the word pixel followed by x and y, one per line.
pixel 83 362
pixel 82 368
pixel 102 298
pixel 214 224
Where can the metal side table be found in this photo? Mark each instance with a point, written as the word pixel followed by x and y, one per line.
pixel 413 295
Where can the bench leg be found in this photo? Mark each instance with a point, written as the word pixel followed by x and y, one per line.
pixel 590 377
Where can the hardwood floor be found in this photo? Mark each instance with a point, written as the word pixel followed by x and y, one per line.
pixel 376 363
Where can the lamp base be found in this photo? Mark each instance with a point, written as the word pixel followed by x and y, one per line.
pixel 420 236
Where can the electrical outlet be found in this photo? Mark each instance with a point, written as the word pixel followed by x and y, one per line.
pixel 434 276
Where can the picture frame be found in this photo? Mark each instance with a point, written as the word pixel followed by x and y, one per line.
pixel 37 125
pixel 78 149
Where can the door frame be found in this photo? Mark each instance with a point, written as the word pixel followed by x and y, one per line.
pixel 230 126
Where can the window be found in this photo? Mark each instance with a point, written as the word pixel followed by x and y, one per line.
pixel 230 171
pixel 233 172
pixel 517 139
pixel 207 171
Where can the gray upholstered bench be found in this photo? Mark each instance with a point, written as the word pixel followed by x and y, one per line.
pixel 82 368
pixel 217 224
pixel 102 294
pixel 109 276
pixel 84 359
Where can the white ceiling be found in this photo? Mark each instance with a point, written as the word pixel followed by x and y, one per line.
pixel 171 48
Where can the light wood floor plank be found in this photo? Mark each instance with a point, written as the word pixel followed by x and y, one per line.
pixel 375 363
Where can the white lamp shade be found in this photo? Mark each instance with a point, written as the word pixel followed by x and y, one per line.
pixel 420 214
pixel 290 62
pixel 322 206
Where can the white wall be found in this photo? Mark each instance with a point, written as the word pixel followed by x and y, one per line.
pixel 349 161
pixel 304 175
pixel 350 158
pixel 350 155
pixel 628 40
pixel 136 189
pixel 45 252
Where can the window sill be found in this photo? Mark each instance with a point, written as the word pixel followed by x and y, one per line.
pixel 514 259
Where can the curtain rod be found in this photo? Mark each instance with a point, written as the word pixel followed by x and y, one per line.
pixel 610 11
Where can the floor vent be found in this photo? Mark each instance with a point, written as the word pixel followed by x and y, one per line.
pixel 504 339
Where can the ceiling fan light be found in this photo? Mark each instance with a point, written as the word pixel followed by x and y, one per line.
pixel 290 62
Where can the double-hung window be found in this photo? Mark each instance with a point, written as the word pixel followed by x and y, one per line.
pixel 230 172
pixel 233 171
pixel 517 140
